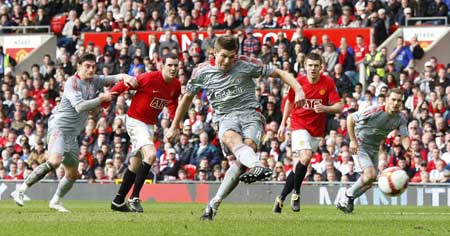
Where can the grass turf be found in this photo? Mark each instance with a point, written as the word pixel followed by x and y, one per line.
pixel 90 218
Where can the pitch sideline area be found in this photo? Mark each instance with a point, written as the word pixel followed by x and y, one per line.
pixel 95 218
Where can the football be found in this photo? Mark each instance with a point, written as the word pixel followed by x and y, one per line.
pixel 393 181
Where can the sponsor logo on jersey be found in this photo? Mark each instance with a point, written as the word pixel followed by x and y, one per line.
pixel 229 92
pixel 158 103
pixel 311 103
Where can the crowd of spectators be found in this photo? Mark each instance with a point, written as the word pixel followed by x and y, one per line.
pixel 28 98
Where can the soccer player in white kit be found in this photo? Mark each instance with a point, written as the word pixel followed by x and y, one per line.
pixel 65 124
pixel 231 91
pixel 368 130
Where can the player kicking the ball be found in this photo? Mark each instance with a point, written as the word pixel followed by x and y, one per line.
pixel 231 91
pixel 367 130
pixel 307 125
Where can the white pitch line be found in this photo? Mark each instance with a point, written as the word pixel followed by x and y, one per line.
pixel 408 213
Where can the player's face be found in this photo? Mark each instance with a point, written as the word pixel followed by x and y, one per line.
pixel 394 102
pixel 225 59
pixel 170 68
pixel 87 69
pixel 312 69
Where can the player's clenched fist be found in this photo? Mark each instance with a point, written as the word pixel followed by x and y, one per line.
pixel 129 81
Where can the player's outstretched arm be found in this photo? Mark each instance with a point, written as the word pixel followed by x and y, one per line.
pixel 90 104
pixel 182 108
pixel 290 80
pixel 288 106
pixel 128 80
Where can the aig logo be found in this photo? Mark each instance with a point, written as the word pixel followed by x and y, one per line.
pixel 311 103
pixel 158 103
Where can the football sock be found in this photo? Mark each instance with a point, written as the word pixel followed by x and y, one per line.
pixel 64 187
pixel 36 175
pixel 288 186
pixel 357 188
pixel 230 181
pixel 140 179
pixel 246 155
pixel 127 182
pixel 299 175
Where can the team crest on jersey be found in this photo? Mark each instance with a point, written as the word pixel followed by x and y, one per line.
pixel 301 142
pixel 322 92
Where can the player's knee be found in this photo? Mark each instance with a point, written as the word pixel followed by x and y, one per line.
pixel 135 164
pixel 370 175
pixel 54 161
pixel 230 138
pixel 71 173
pixel 250 143
pixel 305 157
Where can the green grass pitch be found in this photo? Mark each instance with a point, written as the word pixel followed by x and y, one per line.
pixel 90 218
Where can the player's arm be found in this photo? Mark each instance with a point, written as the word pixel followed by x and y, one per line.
pixel 73 94
pixel 287 78
pixel 351 124
pixel 335 108
pixel 128 80
pixel 406 145
pixel 288 106
pixel 182 108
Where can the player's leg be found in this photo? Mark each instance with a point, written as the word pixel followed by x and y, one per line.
pixel 302 145
pixel 287 189
pixel 363 161
pixel 70 163
pixel 252 127
pixel 119 203
pixel 149 156
pixel 229 183
pixel 138 133
pixel 55 153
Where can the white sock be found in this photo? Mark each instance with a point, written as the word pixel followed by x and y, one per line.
pixel 246 155
pixel 23 187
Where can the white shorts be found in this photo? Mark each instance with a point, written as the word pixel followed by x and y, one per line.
pixel 302 140
pixel 141 134
pixel 65 145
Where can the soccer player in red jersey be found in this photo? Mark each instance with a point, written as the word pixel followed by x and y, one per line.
pixel 155 90
pixel 307 124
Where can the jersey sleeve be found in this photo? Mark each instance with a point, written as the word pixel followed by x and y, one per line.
pixel 365 114
pixel 256 67
pixel 291 95
pixel 72 92
pixel 195 84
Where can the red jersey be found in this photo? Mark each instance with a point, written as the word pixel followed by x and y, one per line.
pixel 323 92
pixel 152 95
pixel 360 53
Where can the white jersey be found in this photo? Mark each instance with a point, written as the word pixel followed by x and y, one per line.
pixel 65 117
pixel 229 91
pixel 374 124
